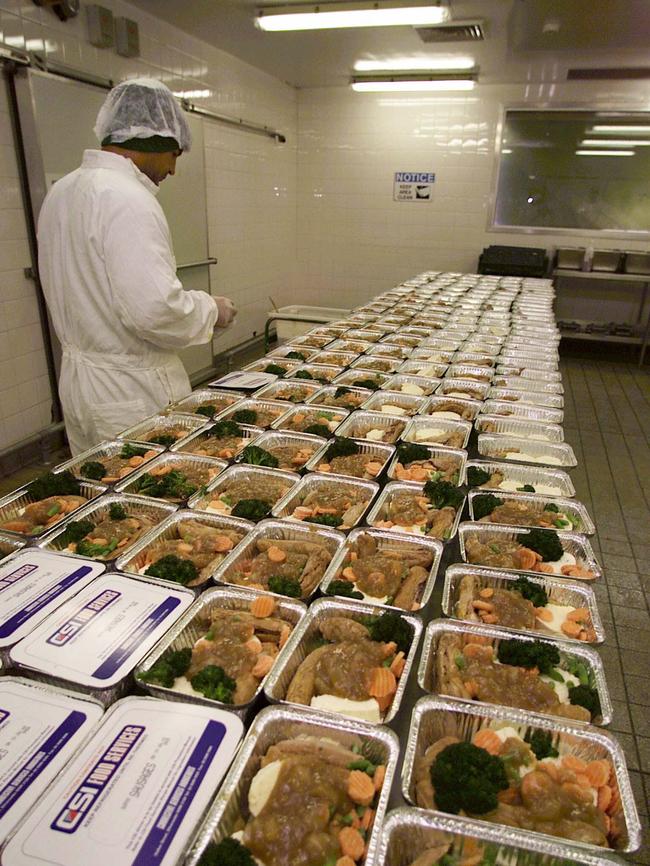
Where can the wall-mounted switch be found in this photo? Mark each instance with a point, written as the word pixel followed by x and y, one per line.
pixel 127 37
pixel 100 26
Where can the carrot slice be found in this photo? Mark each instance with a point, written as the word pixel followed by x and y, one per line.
pixel 345 861
pixel 571 762
pixel 598 773
pixel 382 683
pixel 380 775
pixel 488 740
pixel 351 842
pixel 262 606
pixel 361 788
pixel 604 797
pixel 276 554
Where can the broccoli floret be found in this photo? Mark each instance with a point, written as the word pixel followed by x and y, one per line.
pixel 129 451
pixel 276 369
pixel 93 469
pixel 532 591
pixel 343 587
pixel 342 448
pixel 259 457
pixel 245 416
pixel 303 374
pixel 298 356
pixel 285 586
pixel 409 452
pixel 587 697
pixel 229 852
pixel 370 384
pixel 174 485
pixel 222 429
pixel 89 548
pixel 251 509
pixel 477 477
pixel 552 507
pixel 341 391
pixel 206 409
pixel 213 682
pixel 390 627
pixel 467 777
pixel 54 484
pixel 541 743
pixel 442 494
pixel 76 530
pixel 172 567
pixel 321 430
pixel 165 439
pixel 116 511
pixel 172 664
pixel 325 519
pixel 527 488
pixel 529 654
pixel 485 504
pixel 543 541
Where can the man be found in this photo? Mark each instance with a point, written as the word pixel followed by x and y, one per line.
pixel 109 274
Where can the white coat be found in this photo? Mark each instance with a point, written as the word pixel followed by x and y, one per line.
pixel 109 277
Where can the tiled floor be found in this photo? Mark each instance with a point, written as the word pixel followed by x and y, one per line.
pixel 607 421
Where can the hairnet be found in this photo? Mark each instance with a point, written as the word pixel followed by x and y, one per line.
pixel 142 108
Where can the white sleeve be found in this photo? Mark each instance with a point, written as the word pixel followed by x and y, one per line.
pixel 149 298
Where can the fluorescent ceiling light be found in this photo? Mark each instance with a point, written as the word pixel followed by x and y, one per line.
pixel 334 15
pixel 192 94
pixel 604 153
pixel 615 129
pixel 615 142
pixel 419 64
pixel 506 150
pixel 413 85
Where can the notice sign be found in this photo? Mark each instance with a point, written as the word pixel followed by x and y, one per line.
pixel 413 185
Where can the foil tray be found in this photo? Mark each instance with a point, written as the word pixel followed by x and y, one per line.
pixel 571 507
pixel 354 424
pixel 278 438
pixel 145 428
pixel 448 426
pixel 427 384
pixel 382 453
pixel 12 505
pixel 378 511
pixel 508 409
pixel 434 451
pixel 201 498
pixel 99 453
pixel 522 474
pixel 338 416
pixel 520 428
pixel 490 445
pixel 188 405
pixel 178 461
pixel 408 403
pixel 531 398
pixel 285 506
pixel 468 389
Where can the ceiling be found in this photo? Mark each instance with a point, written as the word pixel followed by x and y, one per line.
pixel 520 35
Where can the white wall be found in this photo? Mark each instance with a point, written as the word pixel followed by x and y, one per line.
pixel 354 240
pixel 251 188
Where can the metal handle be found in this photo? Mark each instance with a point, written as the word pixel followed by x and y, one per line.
pixel 209 261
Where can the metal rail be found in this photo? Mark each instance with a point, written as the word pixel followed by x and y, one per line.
pixel 282 318
pixel 209 261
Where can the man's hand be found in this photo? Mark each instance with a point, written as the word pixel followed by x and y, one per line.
pixel 227 312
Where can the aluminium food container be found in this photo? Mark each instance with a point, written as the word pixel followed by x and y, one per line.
pixel 288 390
pixel 194 624
pixel 273 724
pixel 102 452
pixel 434 718
pixel 519 383
pixel 260 366
pixel 179 462
pixel 366 335
pixel 575 511
pixel 376 364
pixel 270 439
pixel 507 408
pixel 432 355
pixel 528 360
pixel 458 454
pixel 570 258
pixel 472 372
pixel 559 590
pixel 94 640
pixel 466 388
pixel 548 482
pixel 432 430
pixel 350 377
pixel 326 394
pixel 276 407
pixel 379 511
pixel 521 428
pixel 498 447
pixel 331 358
pixel 311 341
pixel 433 404
pixel 360 420
pixel 202 499
pixel 531 398
pixel 572 542
pixel 389 350
pixel 296 649
pixel 139 432
pixel 423 368
pixel 426 385
pixel 403 340
pixel 387 539
pixel 220 399
pixel 343 344
pixel 408 404
pixel 549 375
pixel 134 562
pixel 284 507
pixel 318 372
pixel 335 416
pixel 284 530
pixel 187 446
pixel 287 348
pixel 12 507
pixel 569 650
pixel 9 544
pixel 379 453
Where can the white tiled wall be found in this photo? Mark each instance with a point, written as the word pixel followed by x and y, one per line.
pixel 251 188
pixel 353 239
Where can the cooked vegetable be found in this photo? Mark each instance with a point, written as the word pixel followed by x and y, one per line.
pixel 299 356
pixel 390 627
pixel 552 507
pixel 367 383
pixel 442 494
pixel 129 451
pixel 90 548
pixel 222 429
pixel 587 697
pixel 171 567
pixel 409 452
pixel 527 488
pixel 529 654
pixel 342 448
pixel 532 591
pixel 285 586
pixel 321 430
pixel 54 484
pixel 466 777
pixel 174 484
pixel 116 511
pixel 170 665
pixel 485 504
pixel 245 416
pixel 276 369
pixel 303 374
pixel 251 509
pixel 343 587
pixel 259 457
pixel 207 409
pixel 76 530
pixel 213 682
pixel 543 541
pixel 93 469
pixel 229 852
pixel 476 477
pixel 164 439
pixel 341 391
pixel 325 519
pixel 541 742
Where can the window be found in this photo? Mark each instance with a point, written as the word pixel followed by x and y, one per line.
pixel 574 170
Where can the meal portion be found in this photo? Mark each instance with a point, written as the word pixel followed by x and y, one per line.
pixel 429 432
pixel 521 604
pixel 495 478
pixel 376 362
pixel 366 426
pixel 353 665
pixel 318 422
pixel 365 379
pixel 343 397
pixel 323 374
pixel 256 413
pixel 346 457
pixel 291 567
pixel 430 510
pixel 331 503
pixel 54 495
pixel 277 366
pixel 335 359
pixel 531 675
pixel 383 571
pixel 519 452
pixel 106 537
pixel 520 427
pixel 166 434
pixel 531 782
pixel 175 481
pixel 210 406
pixel 418 388
pixel 291 391
pixel 471 853
pixel 451 409
pixel 292 455
pixel 488 508
pixel 418 463
pixel 188 552
pixel 392 403
pixel 296 353
pixel 113 468
pixel 461 388
pixel 536 550
pixel 334 790
pixel 248 495
pixel 224 440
